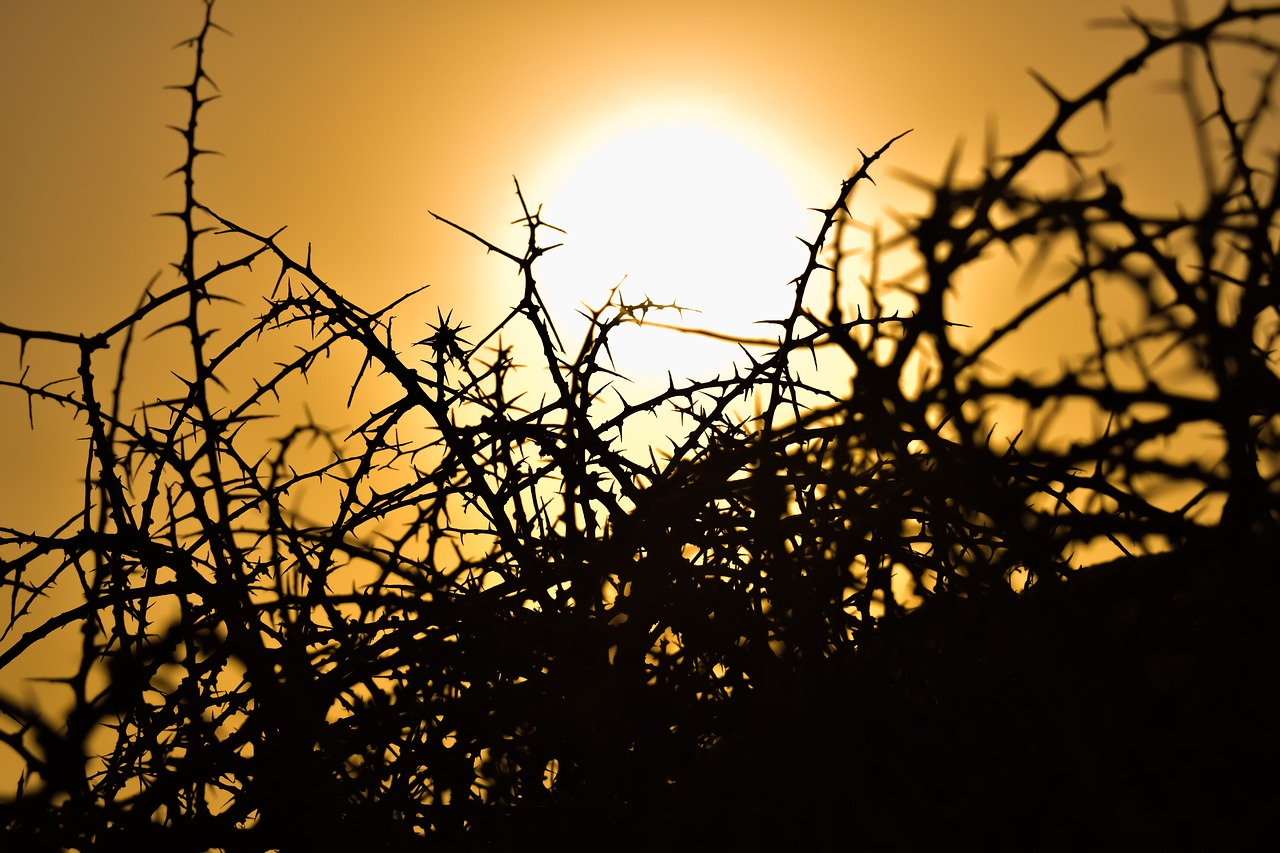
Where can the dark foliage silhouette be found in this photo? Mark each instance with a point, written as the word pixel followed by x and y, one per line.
pixel 872 613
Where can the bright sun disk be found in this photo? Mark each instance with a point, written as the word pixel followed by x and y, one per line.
pixel 686 214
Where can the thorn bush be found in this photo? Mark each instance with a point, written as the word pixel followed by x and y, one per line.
pixel 948 601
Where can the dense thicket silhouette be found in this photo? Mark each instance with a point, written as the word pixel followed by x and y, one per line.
pixel 874 612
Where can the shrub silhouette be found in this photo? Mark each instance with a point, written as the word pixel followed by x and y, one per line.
pixel 823 614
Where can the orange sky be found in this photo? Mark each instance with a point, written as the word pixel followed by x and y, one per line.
pixel 347 124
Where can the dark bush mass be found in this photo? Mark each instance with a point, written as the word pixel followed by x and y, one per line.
pixel 947 602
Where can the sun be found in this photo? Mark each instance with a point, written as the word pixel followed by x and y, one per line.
pixel 679 212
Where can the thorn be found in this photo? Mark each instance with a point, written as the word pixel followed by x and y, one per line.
pixel 990 148
pixel 953 162
pixel 1047 86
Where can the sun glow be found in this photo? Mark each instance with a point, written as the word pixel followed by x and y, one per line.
pixel 678 212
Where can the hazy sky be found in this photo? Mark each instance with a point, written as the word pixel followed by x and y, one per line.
pixel 348 123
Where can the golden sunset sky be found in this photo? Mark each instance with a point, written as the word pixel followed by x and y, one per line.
pixel 650 131
pixel 348 124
